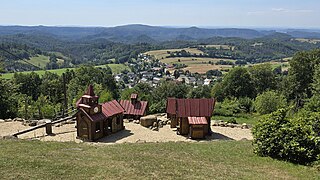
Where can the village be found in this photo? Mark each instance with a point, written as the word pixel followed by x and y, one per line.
pixel 149 70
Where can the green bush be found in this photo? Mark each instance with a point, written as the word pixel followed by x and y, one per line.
pixel 296 140
pixel 268 102
pixel 229 107
pixel 246 104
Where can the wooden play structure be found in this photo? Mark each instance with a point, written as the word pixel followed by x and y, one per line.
pixel 134 109
pixel 191 116
pixel 95 120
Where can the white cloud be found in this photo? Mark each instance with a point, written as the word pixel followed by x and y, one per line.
pixel 284 10
pixel 280 10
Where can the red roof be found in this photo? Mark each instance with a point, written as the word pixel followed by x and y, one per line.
pixel 138 108
pixel 111 108
pixel 171 105
pixel 197 120
pixel 191 107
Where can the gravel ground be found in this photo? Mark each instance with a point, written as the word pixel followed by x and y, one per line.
pixel 133 133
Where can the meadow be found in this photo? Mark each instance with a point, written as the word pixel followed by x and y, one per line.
pixel 116 68
pixel 161 54
pixel 174 160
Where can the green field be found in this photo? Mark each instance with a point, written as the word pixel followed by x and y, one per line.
pixel 161 54
pixel 205 160
pixel 40 61
pixel 116 68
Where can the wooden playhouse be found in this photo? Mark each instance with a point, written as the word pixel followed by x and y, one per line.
pixel 191 116
pixel 95 120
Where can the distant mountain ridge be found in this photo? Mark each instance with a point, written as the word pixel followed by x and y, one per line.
pixel 137 33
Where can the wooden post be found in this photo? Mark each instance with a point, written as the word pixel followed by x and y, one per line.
pixel 49 128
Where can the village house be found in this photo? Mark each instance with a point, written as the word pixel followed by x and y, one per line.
pixel 191 117
pixel 134 109
pixel 95 120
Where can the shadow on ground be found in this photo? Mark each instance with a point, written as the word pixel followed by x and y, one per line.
pixel 116 137
pixel 218 136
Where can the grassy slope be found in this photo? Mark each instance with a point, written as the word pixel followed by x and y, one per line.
pixel 159 54
pixel 40 60
pixel 116 68
pixel 215 160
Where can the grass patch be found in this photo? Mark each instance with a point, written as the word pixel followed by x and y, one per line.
pixel 116 68
pixel 161 54
pixel 251 119
pixel 214 160
pixel 39 60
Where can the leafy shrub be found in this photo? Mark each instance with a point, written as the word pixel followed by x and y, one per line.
pixel 229 107
pixel 268 102
pixel 232 121
pixel 246 104
pixel 296 140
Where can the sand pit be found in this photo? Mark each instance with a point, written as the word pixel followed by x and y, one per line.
pixel 134 133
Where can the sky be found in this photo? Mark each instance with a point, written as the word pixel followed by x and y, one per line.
pixel 201 13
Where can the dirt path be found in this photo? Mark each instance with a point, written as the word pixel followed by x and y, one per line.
pixel 132 134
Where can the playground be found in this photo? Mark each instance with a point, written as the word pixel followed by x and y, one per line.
pixel 133 133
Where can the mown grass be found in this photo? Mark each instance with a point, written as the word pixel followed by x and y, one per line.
pixel 116 68
pixel 214 160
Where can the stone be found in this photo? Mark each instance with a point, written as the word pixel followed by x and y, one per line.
pixel 244 126
pixel 215 123
pixel 155 129
pixel 155 124
pixel 126 121
pixel 33 123
pixel 2 121
pixel 169 122
pixel 160 124
pixel 8 120
pixel 232 125
pixel 19 119
pixel 147 121
pixel 43 121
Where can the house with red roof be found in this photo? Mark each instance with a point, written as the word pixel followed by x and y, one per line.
pixel 191 117
pixel 95 120
pixel 134 109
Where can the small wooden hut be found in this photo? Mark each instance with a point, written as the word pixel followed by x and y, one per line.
pixel 191 116
pixel 134 109
pixel 95 120
pixel 171 112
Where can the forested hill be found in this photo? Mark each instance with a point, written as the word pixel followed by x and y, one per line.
pixel 59 47
pixel 128 33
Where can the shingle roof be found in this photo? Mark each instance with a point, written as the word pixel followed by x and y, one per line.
pixel 197 120
pixel 171 105
pixel 111 108
pixel 190 107
pixel 138 108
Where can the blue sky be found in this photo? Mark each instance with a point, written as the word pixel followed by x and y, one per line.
pixel 215 13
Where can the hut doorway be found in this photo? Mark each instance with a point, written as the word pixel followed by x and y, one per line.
pixel 83 130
